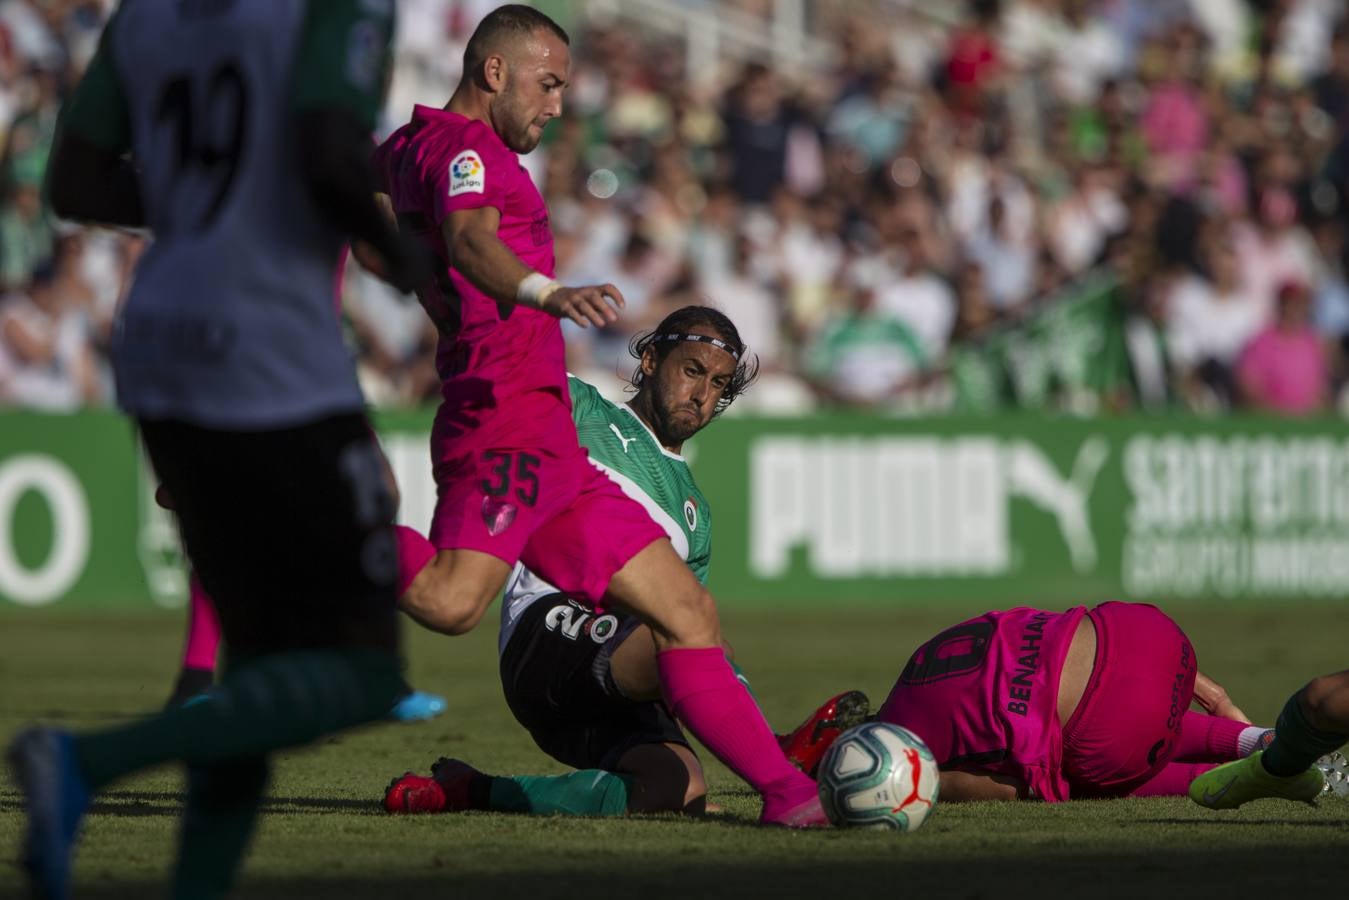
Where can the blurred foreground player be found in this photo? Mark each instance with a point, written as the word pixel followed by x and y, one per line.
pixel 586 684
pixel 513 483
pixel 1302 762
pixel 201 644
pixel 246 124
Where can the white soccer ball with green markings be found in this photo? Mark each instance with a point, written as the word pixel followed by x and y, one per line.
pixel 878 775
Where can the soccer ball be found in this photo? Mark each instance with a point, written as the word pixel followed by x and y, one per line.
pixel 878 775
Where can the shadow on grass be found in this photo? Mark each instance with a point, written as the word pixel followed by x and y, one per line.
pixel 1195 873
pixel 1221 821
pixel 135 804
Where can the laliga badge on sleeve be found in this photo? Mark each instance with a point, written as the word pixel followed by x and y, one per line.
pixel 466 174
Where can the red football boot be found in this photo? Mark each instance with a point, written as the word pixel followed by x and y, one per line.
pixel 806 745
pixel 445 791
pixel 413 793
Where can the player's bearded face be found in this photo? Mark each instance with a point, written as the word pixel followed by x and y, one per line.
pixel 520 130
pixel 532 94
pixel 686 387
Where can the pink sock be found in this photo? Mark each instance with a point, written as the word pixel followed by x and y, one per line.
pixel 702 690
pixel 1205 738
pixel 203 629
pixel 1173 780
pixel 414 552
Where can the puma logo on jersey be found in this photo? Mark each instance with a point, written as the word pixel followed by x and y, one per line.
pixel 618 434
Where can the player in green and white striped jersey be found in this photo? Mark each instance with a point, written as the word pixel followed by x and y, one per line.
pixel 583 681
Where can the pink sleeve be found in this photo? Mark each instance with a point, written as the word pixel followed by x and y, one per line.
pixel 475 176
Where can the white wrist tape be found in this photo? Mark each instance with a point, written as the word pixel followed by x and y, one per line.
pixel 534 288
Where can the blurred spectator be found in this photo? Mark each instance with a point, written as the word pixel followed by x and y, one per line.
pixel 1006 261
pixel 975 315
pixel 1330 301
pixel 1209 321
pixel 26 235
pixel 975 165
pixel 758 123
pixel 1150 371
pixel 1331 87
pixel 864 355
pixel 46 357
pixel 917 295
pixel 756 311
pixel 1086 54
pixel 1174 122
pixel 1274 249
pixel 872 121
pixel 1284 368
pixel 973 63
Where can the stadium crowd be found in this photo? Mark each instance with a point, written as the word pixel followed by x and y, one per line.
pixel 952 173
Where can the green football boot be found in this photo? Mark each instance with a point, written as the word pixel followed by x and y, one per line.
pixel 1232 784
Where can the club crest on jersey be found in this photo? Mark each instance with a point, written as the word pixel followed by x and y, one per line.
pixel 466 174
pixel 691 514
pixel 497 515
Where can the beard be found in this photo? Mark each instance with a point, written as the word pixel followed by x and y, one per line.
pixel 515 127
pixel 677 430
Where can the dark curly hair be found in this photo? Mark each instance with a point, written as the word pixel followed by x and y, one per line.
pixel 681 321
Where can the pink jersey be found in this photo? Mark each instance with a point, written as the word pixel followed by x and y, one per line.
pixel 984 696
pixel 502 366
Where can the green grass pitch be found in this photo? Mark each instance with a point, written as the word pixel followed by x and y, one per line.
pixel 323 835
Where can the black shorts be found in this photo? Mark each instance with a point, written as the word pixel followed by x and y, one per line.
pixel 555 672
pixel 290 531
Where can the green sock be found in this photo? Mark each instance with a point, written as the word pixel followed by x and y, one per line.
pixel 588 792
pixel 741 677
pixel 1296 743
pixel 263 704
pixel 218 818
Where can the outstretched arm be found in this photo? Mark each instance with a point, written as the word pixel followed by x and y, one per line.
pixel 1213 698
pixel 967 787
pixel 479 255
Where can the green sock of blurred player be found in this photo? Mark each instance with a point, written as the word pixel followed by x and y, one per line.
pixel 223 739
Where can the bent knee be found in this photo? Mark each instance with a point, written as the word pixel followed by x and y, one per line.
pixel 692 619
pixel 444 604
pixel 664 779
pixel 1325 701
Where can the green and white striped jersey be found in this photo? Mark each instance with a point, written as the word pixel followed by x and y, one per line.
pixel 620 443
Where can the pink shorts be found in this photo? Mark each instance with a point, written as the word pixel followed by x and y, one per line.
pixel 559 514
pixel 1128 723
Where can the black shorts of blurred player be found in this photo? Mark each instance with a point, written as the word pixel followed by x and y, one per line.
pixel 290 531
pixel 586 688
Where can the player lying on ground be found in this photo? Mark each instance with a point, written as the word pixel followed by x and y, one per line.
pixel 586 684
pixel 1029 704
pixel 513 483
pixel 1302 762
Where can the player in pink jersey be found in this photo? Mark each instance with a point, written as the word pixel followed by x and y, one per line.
pixel 1030 704
pixel 513 483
